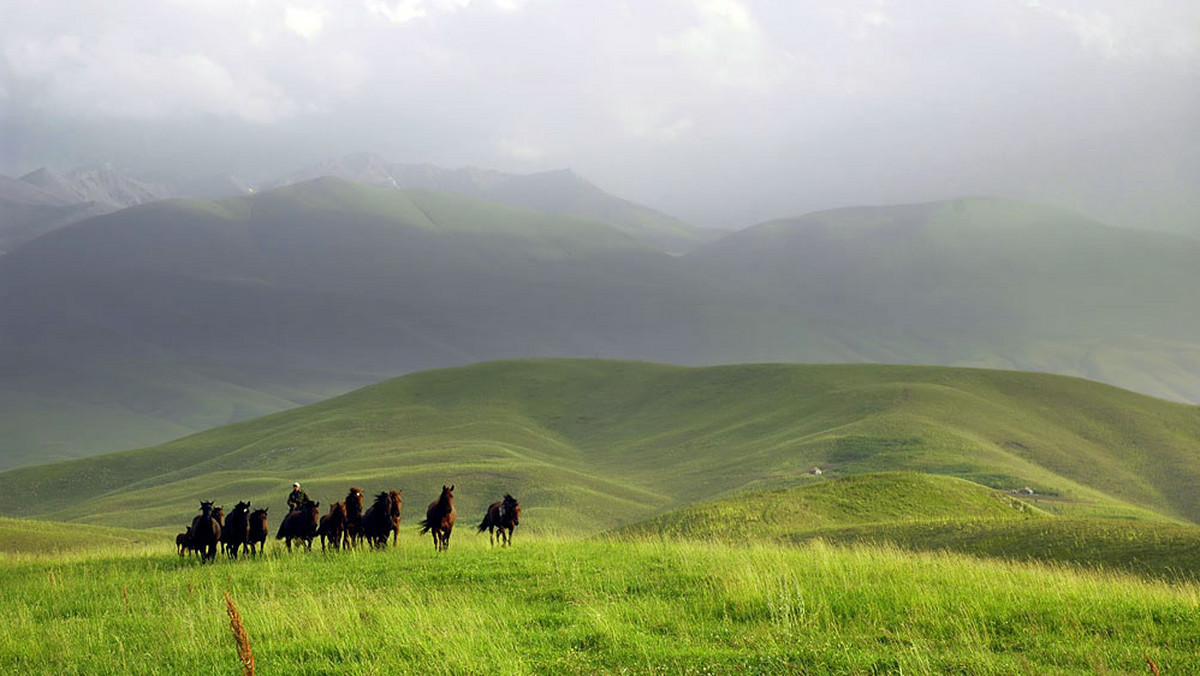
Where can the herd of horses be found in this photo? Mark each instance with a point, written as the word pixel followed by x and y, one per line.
pixel 346 525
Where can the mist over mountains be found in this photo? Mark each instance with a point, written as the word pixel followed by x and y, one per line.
pixel 146 323
pixel 45 199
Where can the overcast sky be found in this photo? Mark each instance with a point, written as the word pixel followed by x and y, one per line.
pixel 723 112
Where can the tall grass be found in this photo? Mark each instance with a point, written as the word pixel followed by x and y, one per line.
pixel 562 606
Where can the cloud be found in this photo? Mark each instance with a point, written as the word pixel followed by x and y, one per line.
pixel 304 21
pixel 726 45
pixel 405 11
pixel 113 79
pixel 522 149
pixel 722 111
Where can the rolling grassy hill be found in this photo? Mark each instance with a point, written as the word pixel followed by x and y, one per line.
pixel 222 310
pixel 590 445
pixel 921 512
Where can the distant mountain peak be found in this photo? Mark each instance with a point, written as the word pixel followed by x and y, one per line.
pixel 98 184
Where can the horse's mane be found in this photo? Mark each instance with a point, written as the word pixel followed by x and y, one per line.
pixel 338 508
pixel 382 500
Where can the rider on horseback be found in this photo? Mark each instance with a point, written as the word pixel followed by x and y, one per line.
pixel 296 498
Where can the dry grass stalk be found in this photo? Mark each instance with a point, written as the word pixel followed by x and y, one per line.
pixel 1153 666
pixel 239 634
pixel 125 593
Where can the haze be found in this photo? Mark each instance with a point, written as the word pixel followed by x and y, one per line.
pixel 721 112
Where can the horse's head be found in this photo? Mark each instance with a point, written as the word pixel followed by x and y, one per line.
pixel 394 501
pixel 242 507
pixel 511 506
pixel 338 509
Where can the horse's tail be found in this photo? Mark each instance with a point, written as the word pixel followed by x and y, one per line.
pixel 487 519
pixel 425 525
pixel 282 525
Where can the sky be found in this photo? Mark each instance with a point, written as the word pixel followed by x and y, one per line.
pixel 721 112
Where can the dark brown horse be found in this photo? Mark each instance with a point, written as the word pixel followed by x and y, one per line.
pixel 257 536
pixel 382 518
pixel 236 529
pixel 183 541
pixel 333 526
pixel 300 524
pixel 206 532
pixel 439 518
pixel 354 516
pixel 501 519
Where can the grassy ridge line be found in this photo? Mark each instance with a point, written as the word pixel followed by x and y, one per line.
pixel 865 499
pixel 931 513
pixel 596 443
pixel 48 538
pixel 552 606
pixel 1157 550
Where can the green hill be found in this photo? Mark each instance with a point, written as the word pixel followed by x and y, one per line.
pixel 921 512
pixel 48 537
pixel 855 500
pixel 590 445
pixel 178 316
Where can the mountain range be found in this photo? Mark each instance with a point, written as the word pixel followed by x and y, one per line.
pixel 171 317
pixel 45 200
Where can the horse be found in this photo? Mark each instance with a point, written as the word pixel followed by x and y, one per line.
pixel 300 524
pixel 394 514
pixel 183 541
pixel 257 530
pixel 439 518
pixel 501 517
pixel 382 519
pixel 206 532
pixel 354 515
pixel 236 529
pixel 333 526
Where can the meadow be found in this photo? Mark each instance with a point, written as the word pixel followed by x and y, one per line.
pixel 673 523
pixel 550 605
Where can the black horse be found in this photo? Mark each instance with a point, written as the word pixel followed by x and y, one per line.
pixel 206 532
pixel 354 516
pixel 300 524
pixel 501 519
pixel 236 530
pixel 382 519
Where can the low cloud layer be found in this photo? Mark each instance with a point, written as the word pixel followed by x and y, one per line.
pixel 723 112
